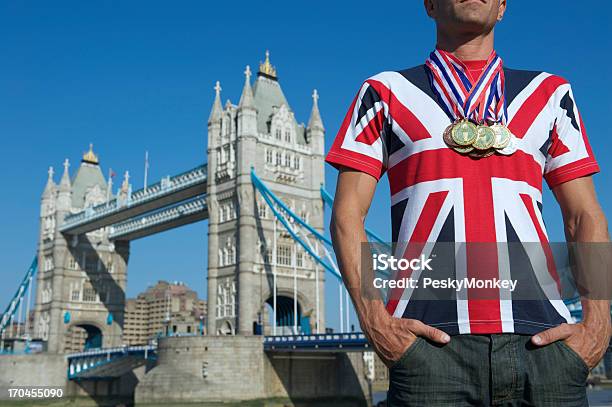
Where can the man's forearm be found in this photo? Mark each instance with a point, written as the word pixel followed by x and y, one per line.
pixel 589 232
pixel 348 235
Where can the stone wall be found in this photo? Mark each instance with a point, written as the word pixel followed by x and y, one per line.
pixel 50 370
pixel 209 369
pixel 205 369
pixel 317 376
pixel 41 370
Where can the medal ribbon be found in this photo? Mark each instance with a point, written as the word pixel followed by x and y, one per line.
pixel 481 101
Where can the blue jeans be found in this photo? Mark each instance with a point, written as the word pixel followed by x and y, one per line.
pixel 488 370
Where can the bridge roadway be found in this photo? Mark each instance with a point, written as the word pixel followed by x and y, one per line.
pixel 182 213
pixel 169 191
pixel 98 364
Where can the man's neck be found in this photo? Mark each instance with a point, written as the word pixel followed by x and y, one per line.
pixel 467 47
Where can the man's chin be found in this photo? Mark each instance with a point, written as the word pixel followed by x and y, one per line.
pixel 472 25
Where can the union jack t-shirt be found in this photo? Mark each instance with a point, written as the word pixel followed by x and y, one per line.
pixel 395 126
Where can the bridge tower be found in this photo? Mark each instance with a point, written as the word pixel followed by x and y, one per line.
pixel 244 255
pixel 80 293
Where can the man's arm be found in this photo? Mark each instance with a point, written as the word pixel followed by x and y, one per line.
pixel 389 336
pixel 584 222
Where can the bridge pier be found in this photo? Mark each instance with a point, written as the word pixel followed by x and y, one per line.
pixel 212 369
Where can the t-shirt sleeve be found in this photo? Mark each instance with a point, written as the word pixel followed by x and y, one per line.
pixel 569 155
pixel 359 143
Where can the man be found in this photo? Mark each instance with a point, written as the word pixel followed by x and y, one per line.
pixel 466 143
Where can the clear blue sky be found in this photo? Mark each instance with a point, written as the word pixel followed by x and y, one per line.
pixel 139 75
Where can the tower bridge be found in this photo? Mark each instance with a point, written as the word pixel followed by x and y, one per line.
pixel 253 263
pixel 261 191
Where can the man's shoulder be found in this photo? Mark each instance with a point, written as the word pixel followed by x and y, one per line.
pixel 532 82
pixel 529 74
pixel 404 81
pixel 414 73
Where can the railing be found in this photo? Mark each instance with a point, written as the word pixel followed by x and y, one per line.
pixel 340 341
pixel 185 208
pixel 166 186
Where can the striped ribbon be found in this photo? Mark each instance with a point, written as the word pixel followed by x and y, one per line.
pixel 479 102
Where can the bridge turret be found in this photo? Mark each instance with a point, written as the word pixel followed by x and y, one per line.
pixel 49 195
pixel 261 133
pixel 316 130
pixel 64 196
pixel 214 119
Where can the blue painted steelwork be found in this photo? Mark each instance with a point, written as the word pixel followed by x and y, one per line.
pixel 340 342
pixel 13 306
pixel 271 200
pixel 108 363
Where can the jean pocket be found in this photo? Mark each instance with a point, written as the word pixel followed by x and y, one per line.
pixel 575 356
pixel 406 355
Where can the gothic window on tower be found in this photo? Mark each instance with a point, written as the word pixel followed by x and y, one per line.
pixel 226 299
pixel 227 153
pixel 287 161
pixel 297 162
pixel 278 134
pixel 277 157
pixel 262 209
pixel 299 259
pixel 283 255
pixel 227 211
pixel 47 263
pixel 269 156
pixel 89 293
pixel 75 295
pixel 47 292
pixel 288 135
pixel 72 264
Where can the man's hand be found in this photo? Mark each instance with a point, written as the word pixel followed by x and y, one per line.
pixel 391 337
pixel 589 341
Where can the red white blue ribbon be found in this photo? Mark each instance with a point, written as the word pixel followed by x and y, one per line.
pixel 480 101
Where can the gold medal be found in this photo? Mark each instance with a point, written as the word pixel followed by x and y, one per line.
pixel 464 133
pixel 485 138
pixel 502 136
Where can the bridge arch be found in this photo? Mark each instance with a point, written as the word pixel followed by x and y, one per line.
pixel 84 335
pixel 285 311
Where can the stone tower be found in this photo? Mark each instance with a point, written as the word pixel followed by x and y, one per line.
pixel 81 281
pixel 261 132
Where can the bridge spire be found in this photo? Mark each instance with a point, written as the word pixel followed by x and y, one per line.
pixel 64 198
pixel 50 183
pixel 216 110
pixel 65 181
pixel 246 99
pixel 315 116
